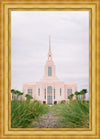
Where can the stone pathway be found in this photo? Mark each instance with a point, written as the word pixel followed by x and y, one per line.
pixel 49 120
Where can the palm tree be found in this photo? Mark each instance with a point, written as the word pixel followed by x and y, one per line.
pixel 16 92
pixel 13 91
pixel 28 97
pixel 83 92
pixel 19 93
pixel 77 94
pixel 70 97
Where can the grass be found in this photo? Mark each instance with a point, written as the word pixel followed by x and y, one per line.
pixel 24 112
pixel 73 115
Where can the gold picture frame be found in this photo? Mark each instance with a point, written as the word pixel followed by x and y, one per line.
pixel 94 70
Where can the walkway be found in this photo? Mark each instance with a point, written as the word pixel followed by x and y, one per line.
pixel 49 120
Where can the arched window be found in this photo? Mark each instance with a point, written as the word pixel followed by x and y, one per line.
pixel 60 91
pixel 54 93
pixel 38 91
pixel 49 71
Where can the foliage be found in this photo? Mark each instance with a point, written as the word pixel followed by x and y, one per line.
pixel 24 112
pixel 16 92
pixel 37 101
pixel 77 93
pixel 13 91
pixel 19 93
pixel 70 96
pixel 63 102
pixel 82 92
pixel 74 114
pixel 28 97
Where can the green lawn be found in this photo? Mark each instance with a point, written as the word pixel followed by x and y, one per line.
pixel 24 112
pixel 73 115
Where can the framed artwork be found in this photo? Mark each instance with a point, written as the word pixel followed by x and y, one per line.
pixel 50 69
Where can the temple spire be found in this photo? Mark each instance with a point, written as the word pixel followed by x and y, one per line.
pixel 49 53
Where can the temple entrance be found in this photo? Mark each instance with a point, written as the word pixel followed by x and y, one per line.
pixel 49 95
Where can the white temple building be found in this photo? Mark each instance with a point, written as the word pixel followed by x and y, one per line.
pixel 49 89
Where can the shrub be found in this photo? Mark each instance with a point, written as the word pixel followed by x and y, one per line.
pixel 70 96
pixel 74 114
pixel 29 97
pixel 63 102
pixel 24 112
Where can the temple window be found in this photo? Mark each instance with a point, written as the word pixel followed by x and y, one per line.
pixel 49 71
pixel 69 92
pixel 54 93
pixel 60 91
pixel 29 91
pixel 49 89
pixel 38 91
pixel 44 93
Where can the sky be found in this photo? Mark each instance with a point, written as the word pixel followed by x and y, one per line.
pixel 69 32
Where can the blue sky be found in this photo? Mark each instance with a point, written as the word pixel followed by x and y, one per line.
pixel 69 32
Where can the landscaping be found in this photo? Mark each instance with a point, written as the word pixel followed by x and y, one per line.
pixel 24 112
pixel 74 114
pixel 32 114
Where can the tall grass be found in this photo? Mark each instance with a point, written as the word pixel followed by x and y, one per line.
pixel 73 115
pixel 24 112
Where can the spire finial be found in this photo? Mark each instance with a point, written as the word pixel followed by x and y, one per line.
pixel 49 43
pixel 49 53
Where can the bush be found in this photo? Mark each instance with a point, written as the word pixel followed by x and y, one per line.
pixel 63 102
pixel 70 96
pixel 24 112
pixel 36 101
pixel 74 114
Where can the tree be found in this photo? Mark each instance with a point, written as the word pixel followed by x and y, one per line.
pixel 77 94
pixel 13 91
pixel 83 92
pixel 21 93
pixel 70 97
pixel 16 92
pixel 28 97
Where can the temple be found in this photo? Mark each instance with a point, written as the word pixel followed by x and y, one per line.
pixel 49 89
